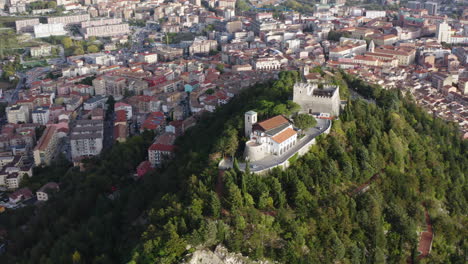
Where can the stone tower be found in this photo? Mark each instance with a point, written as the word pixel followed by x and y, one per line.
pixel 305 70
pixel 250 119
pixel 371 47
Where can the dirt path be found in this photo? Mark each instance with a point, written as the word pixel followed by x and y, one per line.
pixel 425 241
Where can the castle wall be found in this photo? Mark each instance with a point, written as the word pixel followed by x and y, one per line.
pixel 254 151
pixel 304 96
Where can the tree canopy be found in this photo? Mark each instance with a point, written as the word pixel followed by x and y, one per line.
pixel 304 121
pixel 308 213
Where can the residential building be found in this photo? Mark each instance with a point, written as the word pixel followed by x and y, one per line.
pixel 270 63
pixel 98 101
pixel 126 107
pixel 148 57
pixel 40 115
pixel 20 195
pixel 375 14
pixel 109 85
pixel 41 51
pixel 86 138
pixel 143 168
pixel 106 30
pixel 66 20
pixel 47 30
pixel 444 32
pixel 43 194
pixel 203 47
pixel 17 114
pixel 155 122
pixel 431 8
pixel 46 147
pixel 26 25
pixel 439 80
pixel 162 149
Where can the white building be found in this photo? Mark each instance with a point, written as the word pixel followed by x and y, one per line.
pixel 17 114
pixel 40 115
pixel 267 64
pixel 43 193
pixel 86 138
pixel 41 51
pixel 47 30
pixel 106 30
pixel 375 14
pixel 274 136
pixel 444 32
pixel 148 57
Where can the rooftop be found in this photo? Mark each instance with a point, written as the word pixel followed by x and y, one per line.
pixel 272 123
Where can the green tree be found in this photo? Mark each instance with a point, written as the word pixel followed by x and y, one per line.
pixel 52 4
pixel 92 49
pixel 304 121
pixel 215 205
pixel 78 51
pixel 67 42
pixel 76 258
pixel 220 67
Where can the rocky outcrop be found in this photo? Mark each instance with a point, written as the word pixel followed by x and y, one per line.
pixel 219 256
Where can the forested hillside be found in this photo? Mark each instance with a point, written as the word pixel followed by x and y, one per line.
pixel 308 213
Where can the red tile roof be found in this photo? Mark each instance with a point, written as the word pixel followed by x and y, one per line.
pixel 283 136
pixel 273 122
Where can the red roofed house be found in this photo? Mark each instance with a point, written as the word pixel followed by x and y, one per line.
pixel 126 107
pixel 162 149
pixel 155 121
pixel 120 132
pixel 21 194
pixel 143 168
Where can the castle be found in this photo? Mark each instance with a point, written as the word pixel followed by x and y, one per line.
pixel 273 136
pixel 313 99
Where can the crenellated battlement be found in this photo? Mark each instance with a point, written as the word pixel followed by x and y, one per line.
pixel 313 99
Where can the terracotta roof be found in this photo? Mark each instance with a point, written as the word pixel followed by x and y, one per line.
pixel 272 122
pixel 281 137
pixel 161 147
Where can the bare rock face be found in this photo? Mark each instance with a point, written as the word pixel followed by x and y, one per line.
pixel 220 256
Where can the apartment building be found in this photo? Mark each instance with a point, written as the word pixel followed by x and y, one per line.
pixel 40 115
pixel 45 150
pixel 106 30
pixel 203 47
pixel 47 30
pixel 109 85
pixel 17 113
pixel 101 22
pixel 162 149
pixel 26 25
pixel 44 192
pixel 86 138
pixel 148 57
pixel 267 64
pixel 405 57
pixel 66 20
pixel 439 80
pixel 41 51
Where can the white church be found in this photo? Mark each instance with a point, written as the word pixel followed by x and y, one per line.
pixel 273 136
